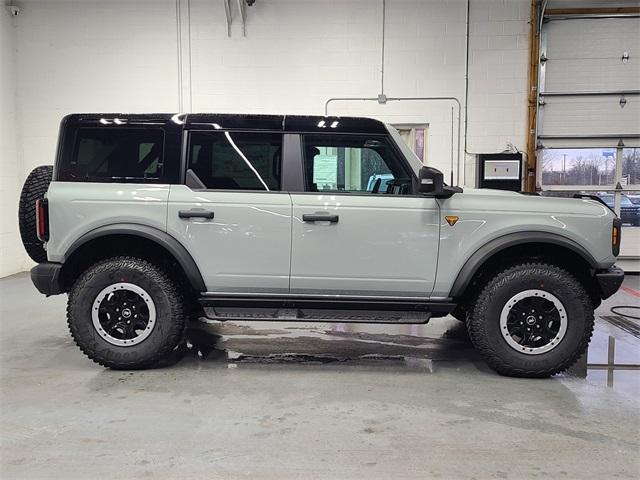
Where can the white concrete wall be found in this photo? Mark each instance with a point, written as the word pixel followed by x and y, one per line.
pixel 79 56
pixel 84 56
pixel 297 54
pixel 122 56
pixel 11 251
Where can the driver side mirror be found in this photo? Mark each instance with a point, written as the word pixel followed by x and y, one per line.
pixel 431 181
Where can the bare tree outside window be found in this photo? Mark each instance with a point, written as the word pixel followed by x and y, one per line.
pixel 631 166
pixel 586 166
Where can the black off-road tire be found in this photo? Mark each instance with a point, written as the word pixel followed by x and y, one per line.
pixel 483 322
pixel 35 186
pixel 460 313
pixel 171 318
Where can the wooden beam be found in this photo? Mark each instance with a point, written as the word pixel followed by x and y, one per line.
pixel 591 11
pixel 534 63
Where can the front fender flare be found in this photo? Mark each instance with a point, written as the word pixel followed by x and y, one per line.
pixel 480 256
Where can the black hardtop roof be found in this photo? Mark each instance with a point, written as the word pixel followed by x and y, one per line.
pixel 233 121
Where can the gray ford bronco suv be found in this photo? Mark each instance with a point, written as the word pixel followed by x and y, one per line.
pixel 148 221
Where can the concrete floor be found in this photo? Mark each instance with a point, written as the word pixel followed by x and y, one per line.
pixel 277 401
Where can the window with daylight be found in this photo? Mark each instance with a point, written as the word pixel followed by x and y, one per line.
pixel 579 166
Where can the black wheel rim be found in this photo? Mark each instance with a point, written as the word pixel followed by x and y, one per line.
pixel 123 314
pixel 533 321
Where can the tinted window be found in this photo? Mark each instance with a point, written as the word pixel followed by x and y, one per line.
pixel 115 154
pixel 353 163
pixel 236 161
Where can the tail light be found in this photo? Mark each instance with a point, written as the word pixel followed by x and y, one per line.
pixel 42 219
pixel 616 236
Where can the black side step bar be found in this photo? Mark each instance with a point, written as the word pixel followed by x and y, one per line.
pixel 316 315
pixel 311 309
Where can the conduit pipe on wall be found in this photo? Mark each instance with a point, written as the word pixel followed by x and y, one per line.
pixel 384 15
pixel 183 27
pixel 179 49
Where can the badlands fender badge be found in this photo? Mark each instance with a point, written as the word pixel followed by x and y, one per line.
pixel 451 219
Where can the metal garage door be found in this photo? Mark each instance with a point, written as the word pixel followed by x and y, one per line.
pixel 590 82
pixel 588 123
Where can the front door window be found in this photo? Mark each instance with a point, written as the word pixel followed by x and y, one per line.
pixel 356 164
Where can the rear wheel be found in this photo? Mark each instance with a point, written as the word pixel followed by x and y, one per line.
pixel 531 320
pixel 126 313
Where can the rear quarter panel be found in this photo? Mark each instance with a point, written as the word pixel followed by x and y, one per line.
pixel 76 208
pixel 486 216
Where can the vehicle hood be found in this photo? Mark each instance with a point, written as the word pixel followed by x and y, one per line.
pixel 518 202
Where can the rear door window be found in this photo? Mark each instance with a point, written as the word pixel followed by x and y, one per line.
pixel 236 160
pixel 107 155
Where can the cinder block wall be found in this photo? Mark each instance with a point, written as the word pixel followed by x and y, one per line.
pixel 12 256
pixel 122 56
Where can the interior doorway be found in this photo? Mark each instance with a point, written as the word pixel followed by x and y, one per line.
pixel 415 136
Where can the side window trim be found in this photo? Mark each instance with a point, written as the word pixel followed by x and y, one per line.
pixel 292 163
pixel 184 155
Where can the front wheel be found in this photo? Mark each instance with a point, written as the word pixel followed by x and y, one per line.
pixel 531 320
pixel 126 313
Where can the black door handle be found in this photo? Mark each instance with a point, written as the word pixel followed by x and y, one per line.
pixel 195 213
pixel 320 217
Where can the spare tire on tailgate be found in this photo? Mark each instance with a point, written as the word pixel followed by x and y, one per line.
pixel 35 186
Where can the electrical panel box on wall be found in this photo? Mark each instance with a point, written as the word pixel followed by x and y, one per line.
pixel 501 171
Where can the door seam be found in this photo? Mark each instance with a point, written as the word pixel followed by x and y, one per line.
pixel 166 212
pixel 435 276
pixel 290 240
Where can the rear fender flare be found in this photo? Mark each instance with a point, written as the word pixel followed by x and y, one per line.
pixel 163 239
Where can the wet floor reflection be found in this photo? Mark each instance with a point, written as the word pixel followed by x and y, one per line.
pixel 611 361
pixel 326 343
pixel 440 343
pixel 621 367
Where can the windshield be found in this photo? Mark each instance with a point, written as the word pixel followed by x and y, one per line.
pixel 411 157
